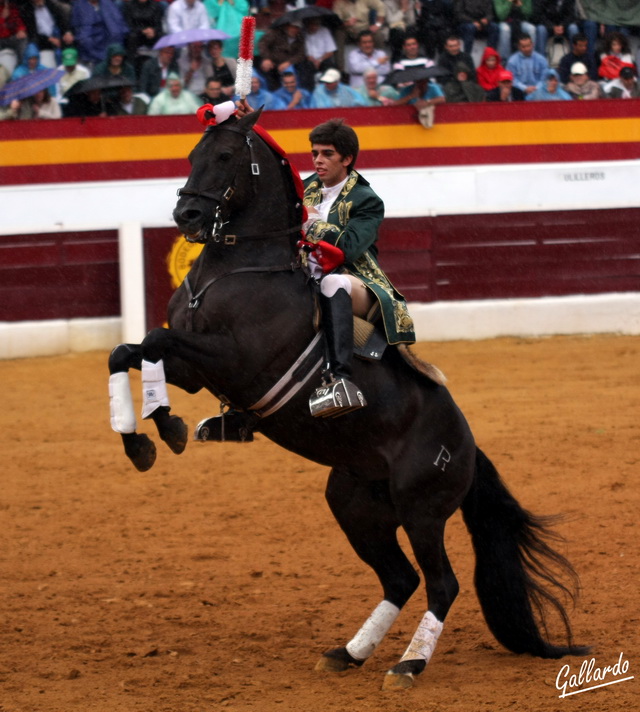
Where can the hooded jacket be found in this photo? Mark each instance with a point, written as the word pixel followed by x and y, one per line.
pixel 488 78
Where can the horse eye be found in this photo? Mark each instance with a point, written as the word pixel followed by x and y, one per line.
pixel 226 156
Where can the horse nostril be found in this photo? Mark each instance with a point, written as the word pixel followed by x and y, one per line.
pixel 189 215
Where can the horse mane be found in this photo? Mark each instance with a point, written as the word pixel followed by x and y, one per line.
pixel 433 373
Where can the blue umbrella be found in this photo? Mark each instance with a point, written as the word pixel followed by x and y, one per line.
pixel 185 37
pixel 29 85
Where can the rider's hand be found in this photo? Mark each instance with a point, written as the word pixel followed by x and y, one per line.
pixel 328 256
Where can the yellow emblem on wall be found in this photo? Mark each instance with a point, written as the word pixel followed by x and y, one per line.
pixel 183 254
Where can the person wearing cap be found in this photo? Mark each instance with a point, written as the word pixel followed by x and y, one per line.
pixel 339 248
pixel 529 68
pixel 73 72
pixel 365 56
pixel 550 89
pixel 625 87
pixel 281 49
pixel 505 91
pixel 331 92
pixel 174 99
pixel 579 84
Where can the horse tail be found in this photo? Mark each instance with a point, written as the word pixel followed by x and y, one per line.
pixel 517 572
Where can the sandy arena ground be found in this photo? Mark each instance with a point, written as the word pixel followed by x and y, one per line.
pixel 216 579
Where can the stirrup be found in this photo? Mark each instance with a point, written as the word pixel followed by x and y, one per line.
pixel 336 398
pixel 232 426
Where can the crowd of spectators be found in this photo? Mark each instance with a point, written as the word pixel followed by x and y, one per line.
pixel 476 50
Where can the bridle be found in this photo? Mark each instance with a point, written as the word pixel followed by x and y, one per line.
pixel 222 196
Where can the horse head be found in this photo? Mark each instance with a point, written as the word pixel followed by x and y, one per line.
pixel 221 181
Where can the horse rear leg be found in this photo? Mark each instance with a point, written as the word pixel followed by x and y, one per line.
pixel 366 514
pixel 427 541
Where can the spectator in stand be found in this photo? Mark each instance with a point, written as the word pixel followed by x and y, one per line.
pixel 260 95
pixel 127 104
pixel 580 86
pixel 514 18
pixel 4 75
pixel 550 89
pixel 221 68
pixel 529 68
pixel 625 87
pixel 282 49
pixel 411 55
pixel 365 56
pixel 475 18
pixel 376 94
pixel 489 71
pixel 30 63
pixel 41 106
pixel 589 28
pixel 47 25
pixel 89 104
pixel 433 25
pixel 144 19
pixel 290 95
pixel 187 15
pixel 319 45
pixel 425 96
pixel 96 24
pixel 13 31
pixel 579 53
pixel 615 55
pixel 154 73
pixel 115 66
pixel 193 67
pixel 453 54
pixel 556 25
pixel 400 15
pixel 461 89
pixel 331 93
pixel 73 72
pixel 505 91
pixel 356 16
pixel 213 93
pixel 173 100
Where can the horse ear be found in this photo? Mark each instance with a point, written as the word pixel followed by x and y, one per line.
pixel 246 123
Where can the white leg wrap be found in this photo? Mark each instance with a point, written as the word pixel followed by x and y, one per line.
pixel 367 639
pixel 333 282
pixel 123 418
pixel 424 641
pixel 154 387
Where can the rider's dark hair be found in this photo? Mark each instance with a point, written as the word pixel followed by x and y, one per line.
pixel 337 134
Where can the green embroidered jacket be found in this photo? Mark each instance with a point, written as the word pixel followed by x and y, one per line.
pixel 352 225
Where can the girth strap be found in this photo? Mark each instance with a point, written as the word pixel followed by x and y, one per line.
pixel 293 380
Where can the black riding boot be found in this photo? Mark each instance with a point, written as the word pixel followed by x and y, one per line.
pixel 338 395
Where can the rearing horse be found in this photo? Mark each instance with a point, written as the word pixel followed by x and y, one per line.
pixel 242 321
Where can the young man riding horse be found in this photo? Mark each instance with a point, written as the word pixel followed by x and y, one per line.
pixel 339 246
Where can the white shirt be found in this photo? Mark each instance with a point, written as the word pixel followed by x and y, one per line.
pixel 359 63
pixel 182 17
pixel 321 212
pixel 317 44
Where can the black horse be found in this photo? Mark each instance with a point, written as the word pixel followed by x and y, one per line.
pixel 243 319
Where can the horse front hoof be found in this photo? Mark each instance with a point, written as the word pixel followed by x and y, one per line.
pixel 337 660
pixel 175 433
pixel 397 681
pixel 139 448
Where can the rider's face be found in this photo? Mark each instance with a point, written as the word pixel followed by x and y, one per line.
pixel 330 166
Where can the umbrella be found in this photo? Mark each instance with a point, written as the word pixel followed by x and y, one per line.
pixel 415 74
pixel 29 85
pixel 185 37
pixel 98 82
pixel 309 12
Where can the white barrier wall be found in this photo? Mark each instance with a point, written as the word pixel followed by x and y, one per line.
pixel 131 205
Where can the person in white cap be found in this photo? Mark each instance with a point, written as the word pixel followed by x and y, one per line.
pixel 579 84
pixel 331 92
